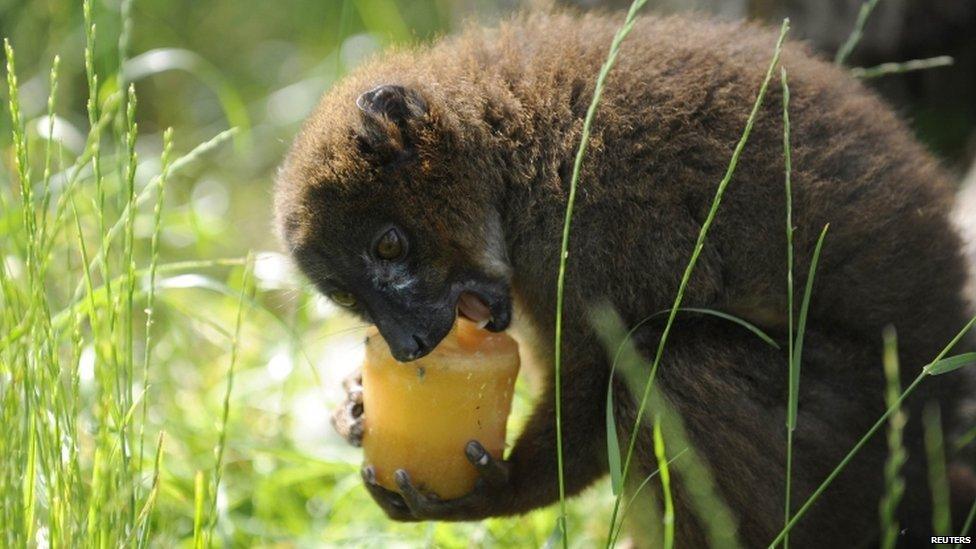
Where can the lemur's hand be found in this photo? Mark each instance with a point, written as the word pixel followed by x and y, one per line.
pixel 493 491
pixel 348 416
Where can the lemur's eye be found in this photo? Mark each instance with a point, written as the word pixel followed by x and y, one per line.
pixel 344 299
pixel 391 244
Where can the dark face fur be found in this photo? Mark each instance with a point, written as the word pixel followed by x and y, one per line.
pixel 383 214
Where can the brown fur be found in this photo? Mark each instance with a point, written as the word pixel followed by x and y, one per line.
pixel 502 120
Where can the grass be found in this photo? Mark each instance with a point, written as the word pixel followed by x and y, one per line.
pixel 936 460
pixel 618 39
pixel 699 486
pixel 886 69
pixel 939 365
pixel 897 456
pixel 645 394
pixel 857 32
pixel 793 365
pixel 151 394
pixel 662 467
pixel 154 395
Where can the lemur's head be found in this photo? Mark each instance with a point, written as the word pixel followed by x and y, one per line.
pixel 389 210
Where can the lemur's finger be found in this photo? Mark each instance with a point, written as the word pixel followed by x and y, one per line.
pixel 417 502
pixel 353 386
pixel 492 471
pixel 391 502
pixel 347 421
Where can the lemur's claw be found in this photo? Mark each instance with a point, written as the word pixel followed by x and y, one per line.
pixel 493 473
pixel 391 502
pixel 347 419
pixel 490 492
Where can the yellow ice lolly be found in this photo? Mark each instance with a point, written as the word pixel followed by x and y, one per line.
pixel 418 416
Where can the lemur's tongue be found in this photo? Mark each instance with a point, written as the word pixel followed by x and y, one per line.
pixel 473 308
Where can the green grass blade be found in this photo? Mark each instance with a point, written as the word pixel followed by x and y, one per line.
pixel 603 319
pixel 947 365
pixel 970 518
pixel 894 481
pixel 938 479
pixel 886 69
pixel 613 334
pixel 225 415
pixel 48 147
pixel 613 444
pixel 699 245
pixel 199 495
pixel 702 493
pixel 630 502
pixel 662 467
pixel 30 479
pixel 794 373
pixel 144 523
pixel 801 330
pixel 867 436
pixel 848 46
pixel 556 537
pixel 151 290
pixel 564 247
pixel 599 317
pixel 736 320
pixel 964 440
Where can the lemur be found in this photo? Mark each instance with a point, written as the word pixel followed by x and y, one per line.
pixel 433 181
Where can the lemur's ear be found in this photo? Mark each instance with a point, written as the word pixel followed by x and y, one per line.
pixel 387 112
pixel 395 102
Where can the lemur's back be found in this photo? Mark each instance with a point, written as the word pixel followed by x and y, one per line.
pixel 672 111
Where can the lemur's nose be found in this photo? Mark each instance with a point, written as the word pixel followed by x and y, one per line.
pixel 421 349
pixel 406 347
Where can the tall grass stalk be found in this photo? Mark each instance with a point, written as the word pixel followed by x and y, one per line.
pixel 894 482
pixel 125 377
pixel 662 467
pixel 145 526
pixel 795 343
pixel 886 69
pixel 970 518
pixel 618 39
pixel 933 368
pixel 699 245
pixel 165 160
pixel 49 147
pixel 73 174
pixel 848 46
pixel 199 497
pixel 600 318
pixel 95 133
pixel 938 480
pixel 225 415
pixel 640 487
pixel 717 521
pixel 125 39
pixel 792 397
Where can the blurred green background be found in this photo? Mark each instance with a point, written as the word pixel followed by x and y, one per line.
pixel 201 67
